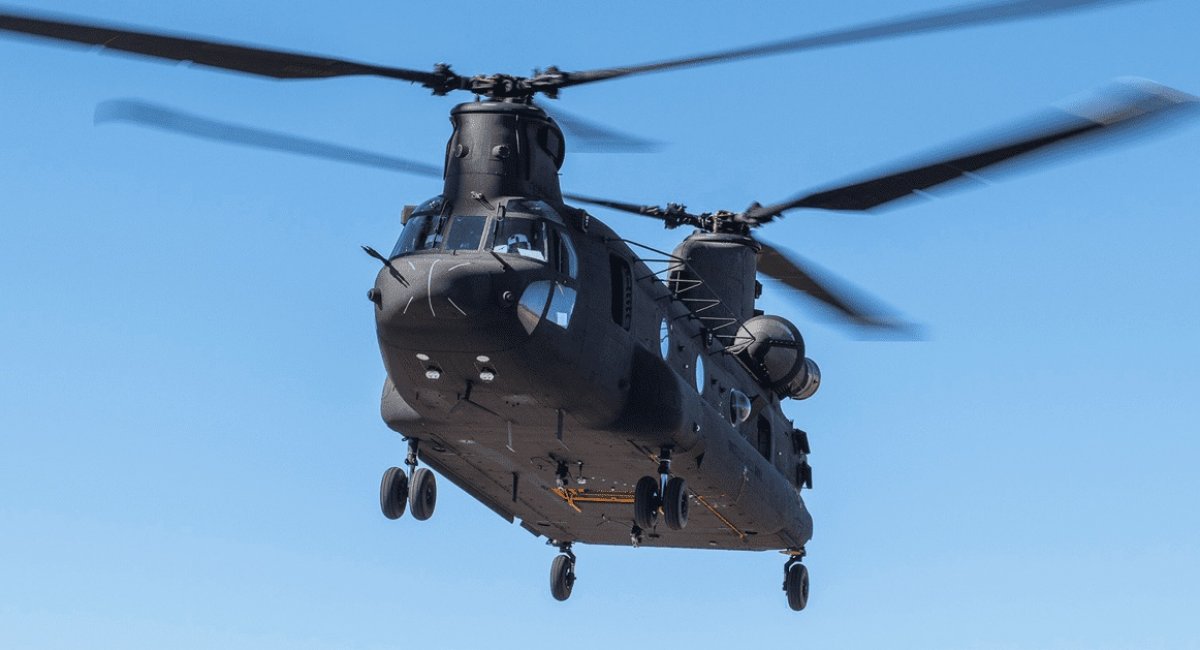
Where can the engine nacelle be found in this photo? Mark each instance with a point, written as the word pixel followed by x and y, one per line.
pixel 806 382
pixel 774 351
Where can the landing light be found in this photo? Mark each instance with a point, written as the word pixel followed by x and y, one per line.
pixel 433 372
pixel 487 374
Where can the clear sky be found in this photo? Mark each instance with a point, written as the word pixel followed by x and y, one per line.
pixel 190 444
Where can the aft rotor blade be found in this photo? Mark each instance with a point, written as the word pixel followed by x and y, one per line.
pixel 589 137
pixel 1120 109
pixel 264 62
pixel 159 117
pixel 849 303
pixel 933 21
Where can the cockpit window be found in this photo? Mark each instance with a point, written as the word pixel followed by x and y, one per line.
pixel 422 232
pixel 424 228
pixel 466 233
pixel 524 237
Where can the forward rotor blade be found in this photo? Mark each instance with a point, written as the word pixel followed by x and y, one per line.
pixel 644 210
pixel 159 117
pixel 958 17
pixel 849 303
pixel 252 60
pixel 589 137
pixel 1120 109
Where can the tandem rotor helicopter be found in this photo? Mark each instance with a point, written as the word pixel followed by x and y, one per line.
pixel 596 390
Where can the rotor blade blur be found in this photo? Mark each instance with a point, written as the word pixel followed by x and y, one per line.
pixel 850 304
pixel 1119 109
pixel 252 60
pixel 644 210
pixel 965 16
pixel 589 137
pixel 159 117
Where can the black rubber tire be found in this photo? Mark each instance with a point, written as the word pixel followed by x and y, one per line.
pixel 422 494
pixel 646 501
pixel 562 577
pixel 796 586
pixel 675 503
pixel 393 493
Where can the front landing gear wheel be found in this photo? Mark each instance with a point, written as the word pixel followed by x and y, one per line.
pixel 562 577
pixel 795 583
pixel 646 501
pixel 675 503
pixel 393 493
pixel 422 495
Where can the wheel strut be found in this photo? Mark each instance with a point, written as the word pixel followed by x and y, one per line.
pixel 664 468
pixel 410 460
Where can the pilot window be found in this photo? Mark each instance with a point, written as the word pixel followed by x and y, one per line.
pixel 524 237
pixel 420 233
pixel 466 233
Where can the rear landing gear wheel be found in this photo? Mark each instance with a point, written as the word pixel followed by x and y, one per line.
pixel 675 503
pixel 393 493
pixel 562 577
pixel 422 494
pixel 646 501
pixel 795 583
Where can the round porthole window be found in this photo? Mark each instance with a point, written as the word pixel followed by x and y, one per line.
pixel 664 338
pixel 739 407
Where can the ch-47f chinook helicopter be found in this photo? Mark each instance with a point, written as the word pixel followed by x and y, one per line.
pixel 594 389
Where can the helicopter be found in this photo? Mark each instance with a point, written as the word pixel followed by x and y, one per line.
pixel 548 369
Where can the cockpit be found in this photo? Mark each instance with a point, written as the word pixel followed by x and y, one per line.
pixel 527 228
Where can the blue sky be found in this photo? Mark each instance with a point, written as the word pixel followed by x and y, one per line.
pixel 190 443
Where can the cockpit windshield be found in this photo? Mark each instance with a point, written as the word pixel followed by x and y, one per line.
pixel 466 232
pixel 422 232
pixel 524 237
pixel 429 229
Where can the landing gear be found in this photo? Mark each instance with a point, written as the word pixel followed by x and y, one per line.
pixel 795 582
pixel 417 489
pixel 646 499
pixel 668 493
pixel 675 503
pixel 562 573
pixel 393 493
pixel 422 497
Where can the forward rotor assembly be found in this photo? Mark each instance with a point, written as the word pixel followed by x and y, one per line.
pixel 442 80
pixel 1118 108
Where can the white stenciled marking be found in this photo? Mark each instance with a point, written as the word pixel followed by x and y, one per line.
pixel 429 288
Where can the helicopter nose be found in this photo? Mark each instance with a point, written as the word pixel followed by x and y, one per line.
pixel 433 289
